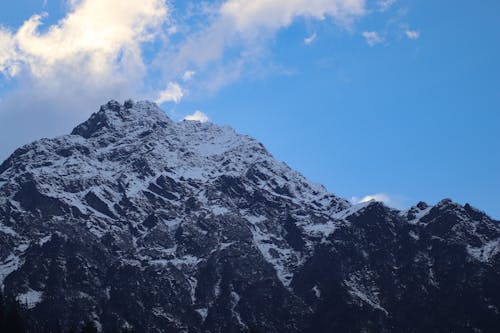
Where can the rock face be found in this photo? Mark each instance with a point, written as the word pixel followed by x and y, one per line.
pixel 137 221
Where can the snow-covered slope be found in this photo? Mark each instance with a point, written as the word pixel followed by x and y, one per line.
pixel 138 221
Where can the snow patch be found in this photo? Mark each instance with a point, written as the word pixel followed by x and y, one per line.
pixel 351 210
pixel 413 235
pixel 218 210
pixel 44 240
pixel 8 230
pixel 188 261
pixel 203 312
pixel 328 228
pixel 235 299
pixel 30 298
pixel 283 259
pixel 485 252
pixel 223 246
pixel 193 283
pixel 317 291
pixel 324 230
pixel 363 293
pixel 11 264
pixel 418 214
pixel 159 312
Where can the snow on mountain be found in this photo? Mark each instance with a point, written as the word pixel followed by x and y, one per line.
pixel 197 228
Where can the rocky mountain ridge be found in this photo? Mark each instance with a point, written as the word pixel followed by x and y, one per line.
pixel 136 221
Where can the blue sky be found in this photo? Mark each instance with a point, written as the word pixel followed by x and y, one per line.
pixel 396 99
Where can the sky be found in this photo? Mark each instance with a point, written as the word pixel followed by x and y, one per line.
pixel 393 100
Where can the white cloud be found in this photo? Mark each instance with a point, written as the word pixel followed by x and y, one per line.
pixel 63 72
pixel 172 30
pixel 249 16
pixel 384 5
pixel 310 39
pixel 412 34
pixel 95 34
pixel 379 197
pixel 188 75
pixel 372 38
pixel 197 116
pixel 173 93
pixel 392 200
pixel 9 59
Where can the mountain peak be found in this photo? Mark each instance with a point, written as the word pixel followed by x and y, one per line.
pixel 116 116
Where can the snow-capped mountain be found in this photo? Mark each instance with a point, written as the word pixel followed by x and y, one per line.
pixel 136 221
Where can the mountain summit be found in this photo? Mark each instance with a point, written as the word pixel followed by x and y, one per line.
pixel 136 221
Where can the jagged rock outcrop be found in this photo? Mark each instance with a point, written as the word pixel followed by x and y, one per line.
pixel 136 221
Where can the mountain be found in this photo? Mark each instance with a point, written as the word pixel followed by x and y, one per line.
pixel 136 221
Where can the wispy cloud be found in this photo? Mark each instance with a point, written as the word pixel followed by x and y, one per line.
pixel 380 197
pixel 372 38
pixel 384 5
pixel 188 75
pixel 396 201
pixel 310 39
pixel 251 16
pixel 412 34
pixel 197 116
pixel 246 26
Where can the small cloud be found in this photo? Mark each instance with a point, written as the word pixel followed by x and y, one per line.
pixel 412 34
pixel 379 197
pixel 310 39
pixel 393 200
pixel 372 38
pixel 188 75
pixel 173 93
pixel 172 30
pixel 384 5
pixel 197 116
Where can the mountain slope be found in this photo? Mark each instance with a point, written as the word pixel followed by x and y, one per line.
pixel 136 221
